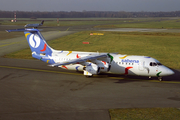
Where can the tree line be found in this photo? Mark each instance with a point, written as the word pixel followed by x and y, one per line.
pixel 86 14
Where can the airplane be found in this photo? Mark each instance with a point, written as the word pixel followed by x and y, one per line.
pixel 34 25
pixel 93 63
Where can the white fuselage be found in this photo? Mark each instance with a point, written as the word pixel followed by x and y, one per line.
pixel 120 64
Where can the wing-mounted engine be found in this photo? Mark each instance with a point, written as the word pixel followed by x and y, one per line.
pixel 95 67
pixel 104 66
pixel 91 69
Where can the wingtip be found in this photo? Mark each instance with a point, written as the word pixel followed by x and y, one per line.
pixel 7 31
pixel 51 65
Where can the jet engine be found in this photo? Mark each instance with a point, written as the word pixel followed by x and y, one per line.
pixel 104 66
pixel 91 69
pixel 96 67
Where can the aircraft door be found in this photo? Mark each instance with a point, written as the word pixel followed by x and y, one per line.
pixel 56 59
pixel 156 68
pixel 141 65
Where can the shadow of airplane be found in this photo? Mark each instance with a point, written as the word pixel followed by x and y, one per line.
pixel 128 78
pixel 175 77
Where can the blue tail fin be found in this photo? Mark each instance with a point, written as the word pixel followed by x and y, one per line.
pixel 37 42
pixel 40 49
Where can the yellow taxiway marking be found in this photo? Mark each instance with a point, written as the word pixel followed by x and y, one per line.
pixel 67 29
pixel 120 78
pixel 39 70
pixel 117 78
pixel 11 43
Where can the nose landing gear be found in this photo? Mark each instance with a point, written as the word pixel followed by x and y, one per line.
pixel 160 79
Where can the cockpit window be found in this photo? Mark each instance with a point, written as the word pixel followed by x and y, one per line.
pixel 159 63
pixel 155 64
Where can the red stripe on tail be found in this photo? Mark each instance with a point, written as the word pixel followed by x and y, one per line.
pixel 44 48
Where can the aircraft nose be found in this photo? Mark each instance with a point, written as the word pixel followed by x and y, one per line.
pixel 167 72
pixel 170 72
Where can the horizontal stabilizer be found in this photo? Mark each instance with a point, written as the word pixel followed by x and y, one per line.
pixel 23 30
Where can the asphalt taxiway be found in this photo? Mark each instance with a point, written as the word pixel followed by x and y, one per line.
pixel 30 89
pixel 15 44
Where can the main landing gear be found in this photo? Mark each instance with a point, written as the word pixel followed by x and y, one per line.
pixel 88 76
pixel 159 78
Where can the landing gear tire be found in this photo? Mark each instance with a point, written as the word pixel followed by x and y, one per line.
pixel 88 76
pixel 150 78
pixel 160 79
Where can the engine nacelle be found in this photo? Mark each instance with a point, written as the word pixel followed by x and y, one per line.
pixel 104 66
pixel 91 69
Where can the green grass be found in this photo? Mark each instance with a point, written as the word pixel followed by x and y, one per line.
pixel 62 21
pixel 167 23
pixel 149 23
pixel 145 114
pixel 164 47
pixel 22 54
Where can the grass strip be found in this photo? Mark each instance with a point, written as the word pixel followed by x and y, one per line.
pixel 145 114
pixel 154 23
pixel 158 22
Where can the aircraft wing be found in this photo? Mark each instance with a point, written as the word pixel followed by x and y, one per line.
pixel 79 60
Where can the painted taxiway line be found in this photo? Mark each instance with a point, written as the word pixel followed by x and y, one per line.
pixel 157 81
pixel 38 70
pixel 12 43
pixel 117 78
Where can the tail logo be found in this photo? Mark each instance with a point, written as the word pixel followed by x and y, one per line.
pixel 34 41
